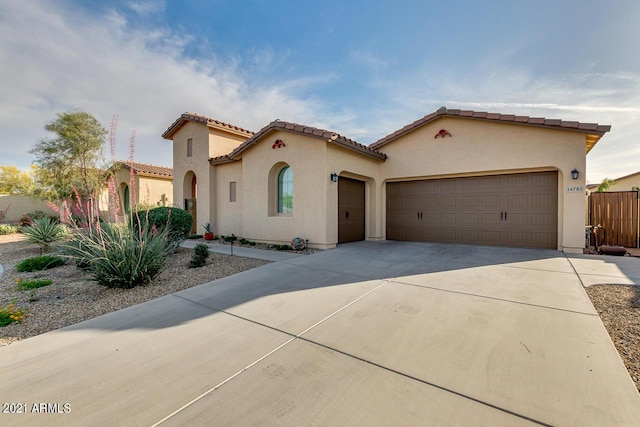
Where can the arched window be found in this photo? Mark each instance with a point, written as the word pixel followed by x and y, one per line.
pixel 285 191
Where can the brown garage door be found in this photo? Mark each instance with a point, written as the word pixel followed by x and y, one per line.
pixel 350 210
pixel 500 210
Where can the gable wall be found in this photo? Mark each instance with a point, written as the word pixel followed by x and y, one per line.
pixel 482 148
pixel 307 158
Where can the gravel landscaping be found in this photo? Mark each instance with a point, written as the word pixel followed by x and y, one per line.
pixel 73 297
pixel 619 309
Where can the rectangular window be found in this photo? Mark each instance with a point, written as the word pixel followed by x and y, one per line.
pixel 189 147
pixel 232 191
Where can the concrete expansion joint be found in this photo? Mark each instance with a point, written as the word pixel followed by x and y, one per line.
pixel 300 336
pixel 434 288
pixel 574 270
pixel 260 359
pixel 425 382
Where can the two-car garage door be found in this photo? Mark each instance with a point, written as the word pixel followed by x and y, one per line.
pixel 500 210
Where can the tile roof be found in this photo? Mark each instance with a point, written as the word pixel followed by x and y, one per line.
pixel 145 168
pixel 212 123
pixel 303 130
pixel 593 129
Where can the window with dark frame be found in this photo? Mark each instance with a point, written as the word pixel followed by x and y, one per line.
pixel 189 147
pixel 285 191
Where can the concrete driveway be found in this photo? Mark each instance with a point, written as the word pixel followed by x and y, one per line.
pixel 370 333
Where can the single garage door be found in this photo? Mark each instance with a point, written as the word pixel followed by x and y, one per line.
pixel 350 210
pixel 500 210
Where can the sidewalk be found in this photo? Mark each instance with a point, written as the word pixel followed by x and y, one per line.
pixel 244 252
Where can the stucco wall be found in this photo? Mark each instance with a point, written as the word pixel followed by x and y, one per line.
pixel 227 215
pixel 480 148
pixel 349 164
pixel 21 205
pixel 307 158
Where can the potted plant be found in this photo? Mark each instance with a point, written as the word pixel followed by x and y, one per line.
pixel 208 231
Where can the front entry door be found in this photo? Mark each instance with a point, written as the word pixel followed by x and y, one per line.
pixel 351 222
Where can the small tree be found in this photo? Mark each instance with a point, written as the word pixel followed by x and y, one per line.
pixel 15 181
pixel 605 185
pixel 71 162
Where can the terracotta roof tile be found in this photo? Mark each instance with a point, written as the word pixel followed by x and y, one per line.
pixel 592 129
pixel 146 168
pixel 326 135
pixel 193 117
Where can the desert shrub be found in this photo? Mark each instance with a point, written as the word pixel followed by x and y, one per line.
pixel 176 222
pixel 38 214
pixel 27 284
pixel 200 256
pixel 25 220
pixel 43 232
pixel 119 257
pixel 38 263
pixel 228 239
pixel 10 314
pixel 8 229
pixel 283 247
pixel 194 236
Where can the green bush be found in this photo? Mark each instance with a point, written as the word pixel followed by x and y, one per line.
pixel 118 257
pixel 194 236
pixel 8 229
pixel 176 221
pixel 200 256
pixel 38 263
pixel 43 232
pixel 24 285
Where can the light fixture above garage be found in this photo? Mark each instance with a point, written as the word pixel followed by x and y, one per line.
pixel 334 177
pixel 575 174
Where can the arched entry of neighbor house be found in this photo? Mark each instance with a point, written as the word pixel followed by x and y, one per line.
pixel 190 192
pixel 351 210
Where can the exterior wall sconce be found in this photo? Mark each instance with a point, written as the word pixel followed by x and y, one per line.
pixel 575 174
pixel 334 177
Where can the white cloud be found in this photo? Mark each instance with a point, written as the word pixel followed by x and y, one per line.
pixel 146 7
pixel 57 60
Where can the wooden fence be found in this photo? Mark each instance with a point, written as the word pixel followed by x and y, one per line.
pixel 617 213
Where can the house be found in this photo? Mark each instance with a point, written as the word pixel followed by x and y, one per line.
pixel 629 182
pixel 140 184
pixel 452 176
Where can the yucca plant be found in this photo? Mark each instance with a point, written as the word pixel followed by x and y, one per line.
pixel 43 232
pixel 117 256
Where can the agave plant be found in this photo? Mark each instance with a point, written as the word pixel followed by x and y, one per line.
pixel 43 232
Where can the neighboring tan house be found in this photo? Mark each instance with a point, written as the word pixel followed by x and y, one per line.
pixel 151 186
pixel 452 176
pixel 629 182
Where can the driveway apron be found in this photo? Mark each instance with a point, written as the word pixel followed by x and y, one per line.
pixel 369 333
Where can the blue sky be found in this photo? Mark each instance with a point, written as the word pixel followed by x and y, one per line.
pixel 362 69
